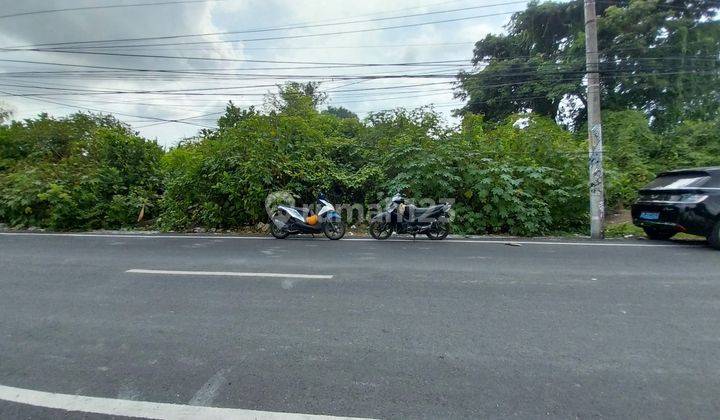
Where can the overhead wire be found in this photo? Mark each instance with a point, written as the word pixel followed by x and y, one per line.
pixel 244 60
pixel 70 44
pixel 104 111
pixel 108 6
pixel 301 36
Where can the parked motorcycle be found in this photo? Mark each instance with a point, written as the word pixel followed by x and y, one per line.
pixel 287 220
pixel 433 221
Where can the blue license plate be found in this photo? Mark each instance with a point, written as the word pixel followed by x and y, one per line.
pixel 649 216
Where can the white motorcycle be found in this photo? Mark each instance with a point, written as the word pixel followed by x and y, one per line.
pixel 287 220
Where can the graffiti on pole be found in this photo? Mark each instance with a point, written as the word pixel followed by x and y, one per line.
pixel 596 169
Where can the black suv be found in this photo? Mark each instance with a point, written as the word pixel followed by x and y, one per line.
pixel 684 200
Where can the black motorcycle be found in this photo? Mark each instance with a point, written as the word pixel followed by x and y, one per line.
pixel 433 221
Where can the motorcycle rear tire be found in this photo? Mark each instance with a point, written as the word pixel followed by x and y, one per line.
pixel 276 231
pixel 438 231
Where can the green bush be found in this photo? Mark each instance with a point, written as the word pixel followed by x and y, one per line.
pixel 525 175
pixel 80 172
pixel 222 182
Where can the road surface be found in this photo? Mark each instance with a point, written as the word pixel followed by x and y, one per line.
pixel 141 324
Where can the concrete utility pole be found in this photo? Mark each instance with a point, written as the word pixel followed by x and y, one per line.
pixel 595 144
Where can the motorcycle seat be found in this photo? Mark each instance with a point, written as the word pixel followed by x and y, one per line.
pixel 304 211
pixel 425 211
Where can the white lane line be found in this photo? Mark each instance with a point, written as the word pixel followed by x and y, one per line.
pixel 210 389
pixel 134 236
pixel 144 409
pixel 448 241
pixel 229 274
pixel 510 241
pixel 480 241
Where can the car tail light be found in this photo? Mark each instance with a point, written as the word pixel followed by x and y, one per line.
pixel 692 198
pixel 671 198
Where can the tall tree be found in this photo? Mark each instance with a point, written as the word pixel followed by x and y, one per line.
pixel 234 115
pixel 294 98
pixel 660 57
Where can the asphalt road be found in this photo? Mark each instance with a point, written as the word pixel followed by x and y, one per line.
pixel 452 329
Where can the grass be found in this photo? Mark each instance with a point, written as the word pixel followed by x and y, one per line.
pixel 619 230
pixel 622 229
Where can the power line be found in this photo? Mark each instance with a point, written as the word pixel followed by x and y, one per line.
pixel 319 47
pixel 110 6
pixel 355 31
pixel 124 72
pixel 180 120
pixel 271 29
pixel 101 110
pixel 79 90
pixel 242 60
pixel 217 73
pixel 573 74
pixel 135 71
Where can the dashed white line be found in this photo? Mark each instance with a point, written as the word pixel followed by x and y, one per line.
pixel 144 409
pixel 229 274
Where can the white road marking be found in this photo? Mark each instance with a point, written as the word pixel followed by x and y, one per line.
pixel 131 235
pixel 424 241
pixel 501 242
pixel 143 409
pixel 229 274
pixel 207 393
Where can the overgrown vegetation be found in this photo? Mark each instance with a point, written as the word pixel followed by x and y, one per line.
pixel 508 170
pixel 81 172
pixel 525 175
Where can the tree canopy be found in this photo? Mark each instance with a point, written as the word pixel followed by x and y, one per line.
pixel 296 98
pixel 340 112
pixel 659 57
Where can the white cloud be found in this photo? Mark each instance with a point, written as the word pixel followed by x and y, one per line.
pixel 448 41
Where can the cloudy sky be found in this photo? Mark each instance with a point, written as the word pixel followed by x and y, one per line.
pixel 193 56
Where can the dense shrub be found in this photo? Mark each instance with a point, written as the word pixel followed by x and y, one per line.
pixel 504 178
pixel 525 175
pixel 222 181
pixel 634 153
pixel 80 172
pixel 630 148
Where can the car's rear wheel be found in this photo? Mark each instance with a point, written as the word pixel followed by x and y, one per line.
pixel 657 234
pixel 714 238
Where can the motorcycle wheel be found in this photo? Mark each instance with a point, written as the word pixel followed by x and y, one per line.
pixel 380 230
pixel 334 230
pixel 275 230
pixel 438 231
